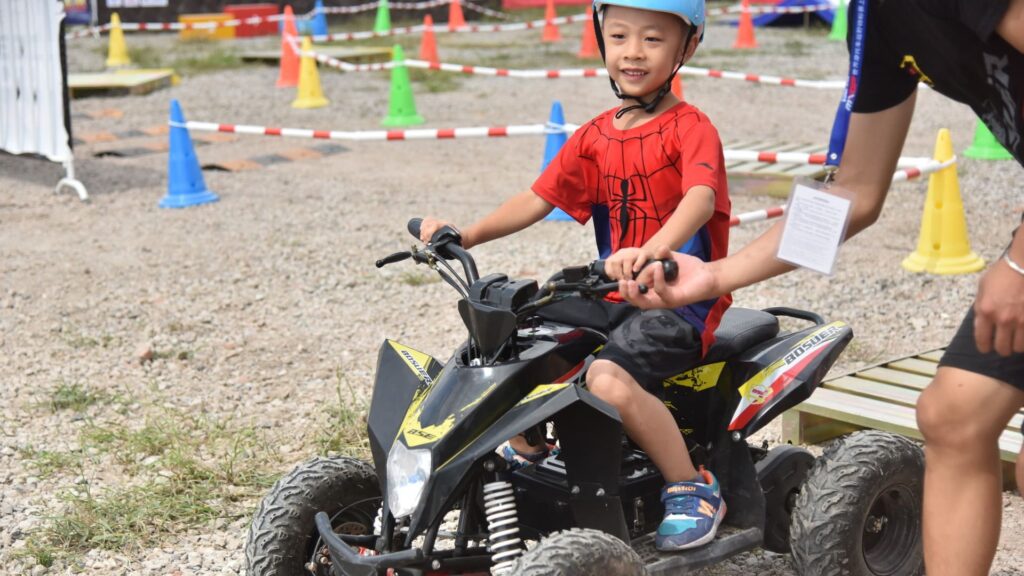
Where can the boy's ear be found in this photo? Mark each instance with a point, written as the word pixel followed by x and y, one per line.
pixel 688 50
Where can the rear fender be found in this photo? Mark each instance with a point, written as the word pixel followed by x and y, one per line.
pixel 786 370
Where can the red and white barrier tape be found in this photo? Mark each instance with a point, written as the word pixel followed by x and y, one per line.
pixel 443 27
pixel 411 6
pixel 757 216
pixel 559 21
pixel 563 73
pixel 900 176
pixel 415 134
pixel 915 166
pixel 728 10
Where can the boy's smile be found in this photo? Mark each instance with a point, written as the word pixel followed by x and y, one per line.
pixel 642 48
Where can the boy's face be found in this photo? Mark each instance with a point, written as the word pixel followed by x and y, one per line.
pixel 642 47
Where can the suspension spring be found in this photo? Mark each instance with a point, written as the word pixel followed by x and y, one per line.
pixel 503 525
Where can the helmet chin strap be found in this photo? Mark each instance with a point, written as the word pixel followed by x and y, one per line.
pixel 648 107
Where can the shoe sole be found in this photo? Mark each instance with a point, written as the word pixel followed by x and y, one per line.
pixel 702 540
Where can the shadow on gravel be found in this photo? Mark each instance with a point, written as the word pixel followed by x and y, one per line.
pixel 99 176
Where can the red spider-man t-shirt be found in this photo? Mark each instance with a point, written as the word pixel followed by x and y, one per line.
pixel 630 181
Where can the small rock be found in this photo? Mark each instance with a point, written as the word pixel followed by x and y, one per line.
pixel 144 353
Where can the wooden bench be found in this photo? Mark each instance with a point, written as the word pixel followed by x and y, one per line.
pixel 881 397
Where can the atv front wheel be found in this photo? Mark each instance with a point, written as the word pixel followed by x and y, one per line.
pixel 283 538
pixel 859 512
pixel 580 552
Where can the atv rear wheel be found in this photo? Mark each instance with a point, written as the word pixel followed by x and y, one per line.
pixel 859 512
pixel 283 536
pixel 580 552
pixel 781 473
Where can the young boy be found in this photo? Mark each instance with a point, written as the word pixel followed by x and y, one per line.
pixel 653 168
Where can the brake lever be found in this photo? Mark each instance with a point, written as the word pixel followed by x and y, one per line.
pixel 396 257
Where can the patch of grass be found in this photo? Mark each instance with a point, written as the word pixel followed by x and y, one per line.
pixel 795 47
pixel 193 57
pixel 74 397
pixel 184 470
pixel 345 431
pixel 418 278
pixel 46 463
pixel 435 81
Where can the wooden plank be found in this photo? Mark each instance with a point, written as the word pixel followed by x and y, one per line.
pixel 870 413
pixel 806 428
pixel 894 394
pixel 914 366
pixel 934 355
pixel 895 377
pixel 872 389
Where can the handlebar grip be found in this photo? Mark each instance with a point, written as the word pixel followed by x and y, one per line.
pixel 670 268
pixel 414 227
pixel 597 268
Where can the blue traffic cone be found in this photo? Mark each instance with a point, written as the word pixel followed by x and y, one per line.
pixel 318 27
pixel 185 184
pixel 552 144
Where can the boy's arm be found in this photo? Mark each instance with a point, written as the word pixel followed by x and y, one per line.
pixel 873 146
pixel 693 211
pixel 1011 27
pixel 518 212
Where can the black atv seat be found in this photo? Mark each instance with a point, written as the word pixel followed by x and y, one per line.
pixel 740 329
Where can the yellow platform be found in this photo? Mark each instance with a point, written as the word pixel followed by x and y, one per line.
pixel 123 82
pixel 218 33
pixel 881 397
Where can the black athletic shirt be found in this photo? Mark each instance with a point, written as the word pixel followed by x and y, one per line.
pixel 950 45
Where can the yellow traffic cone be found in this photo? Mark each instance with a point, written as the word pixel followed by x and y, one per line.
pixel 310 94
pixel 943 246
pixel 117 53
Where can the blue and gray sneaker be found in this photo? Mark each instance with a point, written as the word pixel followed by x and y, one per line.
pixel 693 512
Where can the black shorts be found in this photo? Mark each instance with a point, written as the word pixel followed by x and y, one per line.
pixel 651 345
pixel 962 353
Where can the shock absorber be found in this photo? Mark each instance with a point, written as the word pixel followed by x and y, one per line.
pixel 502 525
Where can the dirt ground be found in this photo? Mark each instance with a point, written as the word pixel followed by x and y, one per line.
pixel 244 333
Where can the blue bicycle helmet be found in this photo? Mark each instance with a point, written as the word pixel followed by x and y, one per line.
pixel 690 11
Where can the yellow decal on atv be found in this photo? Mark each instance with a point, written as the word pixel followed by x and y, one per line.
pixel 415 433
pixel 700 378
pixel 479 398
pixel 416 361
pixel 541 391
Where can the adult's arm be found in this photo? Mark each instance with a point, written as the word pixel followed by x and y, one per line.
pixel 999 305
pixel 1011 27
pixel 873 145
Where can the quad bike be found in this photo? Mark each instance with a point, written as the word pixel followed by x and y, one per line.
pixel 438 499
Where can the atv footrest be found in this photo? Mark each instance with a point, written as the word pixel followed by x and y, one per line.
pixel 728 542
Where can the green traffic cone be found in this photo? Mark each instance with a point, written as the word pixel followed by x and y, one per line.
pixel 985 145
pixel 383 23
pixel 401 106
pixel 839 22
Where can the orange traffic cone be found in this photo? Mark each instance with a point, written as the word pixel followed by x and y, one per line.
pixel 551 32
pixel 428 45
pixel 677 85
pixel 588 46
pixel 455 18
pixel 289 74
pixel 745 32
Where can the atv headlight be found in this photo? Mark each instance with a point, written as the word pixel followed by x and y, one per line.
pixel 408 471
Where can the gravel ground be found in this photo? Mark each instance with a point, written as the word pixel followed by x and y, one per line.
pixel 254 310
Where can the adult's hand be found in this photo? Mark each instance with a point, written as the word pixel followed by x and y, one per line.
pixel 695 283
pixel 999 311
